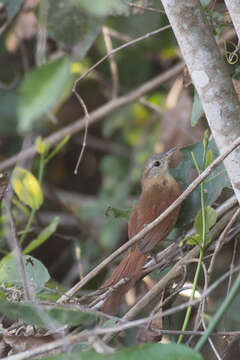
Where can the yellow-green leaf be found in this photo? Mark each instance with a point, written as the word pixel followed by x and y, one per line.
pixel 27 187
pixel 209 158
pixel 195 239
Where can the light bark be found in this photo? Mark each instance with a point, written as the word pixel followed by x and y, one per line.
pixel 210 76
pixel 234 11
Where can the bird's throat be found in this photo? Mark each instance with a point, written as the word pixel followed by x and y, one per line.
pixel 162 182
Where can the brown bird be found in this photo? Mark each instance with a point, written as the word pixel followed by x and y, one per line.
pixel 159 190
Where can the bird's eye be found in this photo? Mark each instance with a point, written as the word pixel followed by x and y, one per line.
pixel 157 163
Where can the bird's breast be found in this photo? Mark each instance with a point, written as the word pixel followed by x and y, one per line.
pixel 153 202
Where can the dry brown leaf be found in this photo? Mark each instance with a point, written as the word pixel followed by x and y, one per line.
pixel 22 343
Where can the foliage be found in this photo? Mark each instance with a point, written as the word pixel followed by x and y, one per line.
pixel 67 224
pixel 36 273
pixel 12 7
pixel 46 315
pixel 211 218
pixel 78 27
pixel 153 351
pixel 43 236
pixel 213 185
pixel 45 85
pixel 27 188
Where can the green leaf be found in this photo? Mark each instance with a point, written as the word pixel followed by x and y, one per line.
pixel 232 316
pixel 8 113
pixel 42 237
pixel 36 273
pixel 27 187
pixel 45 315
pixel 211 218
pixel 118 213
pixel 51 291
pixel 40 91
pixel 13 6
pixel 195 239
pixel 205 3
pixel 198 222
pixel 78 28
pixel 197 110
pixel 214 184
pixel 104 7
pixel 209 158
pixel 140 352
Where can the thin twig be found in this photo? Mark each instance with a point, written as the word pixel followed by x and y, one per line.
pixel 145 8
pixel 205 288
pixel 151 106
pixel 172 274
pixel 72 339
pixel 220 242
pixel 137 308
pixel 42 32
pixel 236 241
pixel 85 110
pixel 112 61
pixel 150 226
pixel 119 35
pixel 97 115
pixel 210 341
pixel 16 247
pixel 97 303
pixel 130 43
pixel 195 333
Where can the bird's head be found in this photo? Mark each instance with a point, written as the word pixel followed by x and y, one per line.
pixel 156 167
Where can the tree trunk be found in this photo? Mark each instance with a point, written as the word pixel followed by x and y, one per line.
pixel 210 76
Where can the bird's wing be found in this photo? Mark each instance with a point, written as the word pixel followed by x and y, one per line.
pixel 139 219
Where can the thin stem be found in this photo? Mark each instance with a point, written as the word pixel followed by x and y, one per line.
pixel 18 252
pixel 27 228
pixel 31 217
pixel 202 247
pixel 219 314
pixel 41 168
pixel 150 226
pixel 189 309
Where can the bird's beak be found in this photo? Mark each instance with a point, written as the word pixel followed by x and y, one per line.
pixel 170 152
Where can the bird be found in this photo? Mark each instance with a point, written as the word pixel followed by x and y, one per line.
pixel 159 190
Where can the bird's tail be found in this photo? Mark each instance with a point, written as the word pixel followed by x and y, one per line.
pixel 130 267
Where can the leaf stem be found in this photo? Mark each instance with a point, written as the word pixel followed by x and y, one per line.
pixel 41 168
pixel 29 223
pixel 32 214
pixel 204 237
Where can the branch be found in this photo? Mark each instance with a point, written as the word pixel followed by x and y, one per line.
pixel 97 115
pixel 233 7
pixel 84 335
pixel 150 226
pixel 113 51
